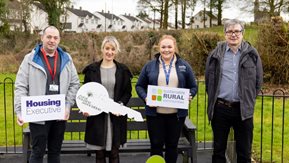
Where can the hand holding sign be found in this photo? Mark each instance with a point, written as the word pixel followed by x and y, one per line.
pixel 169 97
pixel 93 98
pixel 42 108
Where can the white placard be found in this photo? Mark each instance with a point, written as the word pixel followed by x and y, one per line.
pixel 169 97
pixel 43 108
pixel 93 98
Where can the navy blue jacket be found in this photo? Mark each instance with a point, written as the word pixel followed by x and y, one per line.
pixel 149 76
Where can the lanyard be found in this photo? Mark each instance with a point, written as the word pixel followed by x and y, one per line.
pixel 167 73
pixel 48 64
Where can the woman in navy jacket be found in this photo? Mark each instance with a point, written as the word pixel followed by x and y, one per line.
pixel 165 124
pixel 106 132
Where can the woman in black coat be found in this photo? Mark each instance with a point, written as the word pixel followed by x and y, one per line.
pixel 106 132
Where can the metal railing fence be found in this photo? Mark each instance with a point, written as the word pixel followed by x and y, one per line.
pixel 271 123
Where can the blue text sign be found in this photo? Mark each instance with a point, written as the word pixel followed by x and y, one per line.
pixel 43 108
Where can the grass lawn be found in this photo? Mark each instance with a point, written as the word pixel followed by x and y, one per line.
pixel 269 127
pixel 274 130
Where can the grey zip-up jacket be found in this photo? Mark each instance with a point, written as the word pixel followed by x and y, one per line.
pixel 31 79
pixel 250 78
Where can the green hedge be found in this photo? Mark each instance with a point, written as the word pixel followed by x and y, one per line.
pixel 272 44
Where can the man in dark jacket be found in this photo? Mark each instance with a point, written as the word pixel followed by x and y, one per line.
pixel 234 76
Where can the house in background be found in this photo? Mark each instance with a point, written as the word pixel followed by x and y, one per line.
pixel 172 26
pixel 203 21
pixel 79 20
pixel 76 20
pixel 131 23
pixel 38 17
pixel 145 24
pixel 109 22
pixel 14 16
pixel 153 23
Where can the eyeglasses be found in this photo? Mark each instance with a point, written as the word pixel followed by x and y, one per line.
pixel 230 33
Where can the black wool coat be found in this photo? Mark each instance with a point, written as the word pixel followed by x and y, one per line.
pixel 96 126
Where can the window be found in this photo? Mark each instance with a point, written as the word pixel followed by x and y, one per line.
pixel 86 21
pixel 62 18
pixel 82 20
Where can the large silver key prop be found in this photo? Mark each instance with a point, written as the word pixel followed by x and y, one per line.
pixel 93 98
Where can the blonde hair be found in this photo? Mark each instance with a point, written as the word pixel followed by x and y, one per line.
pixel 171 38
pixel 113 41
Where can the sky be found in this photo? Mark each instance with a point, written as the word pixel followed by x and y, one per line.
pixel 121 7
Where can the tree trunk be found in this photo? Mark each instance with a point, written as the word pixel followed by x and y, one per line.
pixel 220 10
pixel 176 14
pixel 184 7
pixel 166 14
pixel 211 13
pixel 256 10
pixel 54 9
pixel 162 14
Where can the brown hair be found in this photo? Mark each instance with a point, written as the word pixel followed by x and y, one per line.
pixel 48 27
pixel 171 38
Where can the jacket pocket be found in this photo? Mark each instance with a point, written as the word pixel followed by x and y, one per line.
pixel 249 70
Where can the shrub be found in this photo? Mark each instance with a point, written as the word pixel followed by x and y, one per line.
pixel 196 46
pixel 137 48
pixel 272 45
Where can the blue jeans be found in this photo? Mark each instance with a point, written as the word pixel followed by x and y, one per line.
pixel 165 129
pixel 50 134
pixel 224 118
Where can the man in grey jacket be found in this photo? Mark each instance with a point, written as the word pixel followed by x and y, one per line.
pixel 233 77
pixel 47 70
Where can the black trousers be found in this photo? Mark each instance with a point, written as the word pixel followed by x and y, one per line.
pixel 165 129
pixel 224 118
pixel 113 155
pixel 50 134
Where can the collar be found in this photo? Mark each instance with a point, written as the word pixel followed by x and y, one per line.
pixel 174 61
pixel 228 48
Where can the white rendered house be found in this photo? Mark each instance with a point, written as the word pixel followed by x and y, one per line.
pixel 38 17
pixel 78 20
pixel 132 23
pixel 203 21
pixel 109 22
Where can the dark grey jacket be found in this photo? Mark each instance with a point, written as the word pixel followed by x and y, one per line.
pixel 250 78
